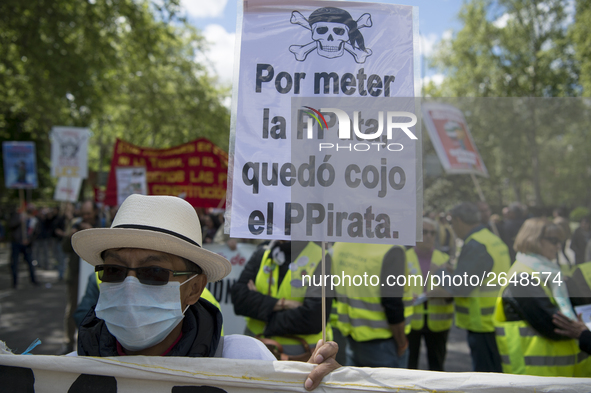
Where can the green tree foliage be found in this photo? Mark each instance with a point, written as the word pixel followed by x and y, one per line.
pixel 580 35
pixel 518 48
pixel 124 68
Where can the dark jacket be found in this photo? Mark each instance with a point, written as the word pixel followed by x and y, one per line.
pixel 579 244
pixel 306 319
pixel 474 259
pixel 202 327
pixel 531 304
pixel 31 229
pixel 393 265
pixel 585 341
pixel 89 300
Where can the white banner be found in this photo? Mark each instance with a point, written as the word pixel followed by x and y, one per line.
pixel 132 374
pixel 300 169
pixel 233 324
pixel 67 189
pixel 69 152
pixel 130 180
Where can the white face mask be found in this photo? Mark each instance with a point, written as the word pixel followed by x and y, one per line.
pixel 138 315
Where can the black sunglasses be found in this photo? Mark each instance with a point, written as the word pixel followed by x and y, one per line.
pixel 151 275
pixel 428 232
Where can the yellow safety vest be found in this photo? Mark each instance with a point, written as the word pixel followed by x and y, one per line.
pixel 334 317
pixel 439 312
pixel 585 269
pixel 524 351
pixel 210 298
pixel 581 279
pixel 475 312
pixel 304 264
pixel 583 289
pixel 359 308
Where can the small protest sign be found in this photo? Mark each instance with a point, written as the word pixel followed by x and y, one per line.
pixel 20 164
pixel 452 139
pixel 69 152
pixel 67 189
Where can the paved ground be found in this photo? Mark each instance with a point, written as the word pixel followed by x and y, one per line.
pixel 31 312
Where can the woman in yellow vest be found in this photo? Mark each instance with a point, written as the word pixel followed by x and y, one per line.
pixel 533 292
pixel 431 320
pixel 270 294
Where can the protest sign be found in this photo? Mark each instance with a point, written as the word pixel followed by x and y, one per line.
pixel 452 139
pixel 164 374
pixel 67 189
pixel 326 142
pixel 69 152
pixel 196 171
pixel 20 164
pixel 233 324
pixel 130 180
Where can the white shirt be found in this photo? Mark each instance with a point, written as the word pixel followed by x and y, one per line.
pixel 237 346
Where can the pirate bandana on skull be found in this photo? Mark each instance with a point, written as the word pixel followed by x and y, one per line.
pixel 334 31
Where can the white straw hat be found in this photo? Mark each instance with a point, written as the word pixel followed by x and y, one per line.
pixel 161 223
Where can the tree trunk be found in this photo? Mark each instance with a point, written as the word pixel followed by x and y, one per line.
pixel 535 154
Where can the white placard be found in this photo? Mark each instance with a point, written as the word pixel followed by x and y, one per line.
pixel 585 312
pixel 130 180
pixel 233 324
pixel 69 152
pixel 306 71
pixel 67 189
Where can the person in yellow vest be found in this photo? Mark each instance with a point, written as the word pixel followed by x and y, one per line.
pixel 270 294
pixel 432 319
pixel 374 318
pixel 483 255
pixel 579 283
pixel 446 238
pixel 525 333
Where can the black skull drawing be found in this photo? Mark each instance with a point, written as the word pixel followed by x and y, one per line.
pixel 69 146
pixel 334 31
pixel 69 149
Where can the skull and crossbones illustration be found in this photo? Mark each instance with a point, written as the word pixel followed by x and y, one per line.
pixel 334 31
pixel 69 148
pixel 69 145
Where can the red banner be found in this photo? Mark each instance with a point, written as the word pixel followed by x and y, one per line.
pixel 196 171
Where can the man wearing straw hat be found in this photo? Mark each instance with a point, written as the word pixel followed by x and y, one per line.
pixel 153 271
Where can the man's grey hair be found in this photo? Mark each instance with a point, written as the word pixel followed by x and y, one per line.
pixel 467 212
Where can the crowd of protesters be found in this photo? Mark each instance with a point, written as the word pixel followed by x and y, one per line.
pixel 461 240
pixel 37 233
pixel 513 326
